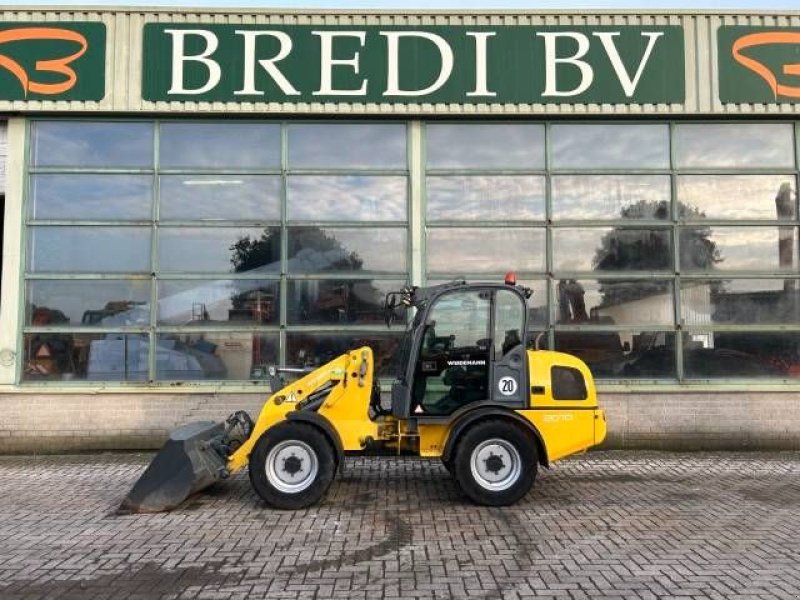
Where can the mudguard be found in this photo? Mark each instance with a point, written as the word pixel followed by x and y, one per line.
pixel 462 422
pixel 316 419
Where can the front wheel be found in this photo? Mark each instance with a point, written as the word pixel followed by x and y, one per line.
pixel 292 466
pixel 495 463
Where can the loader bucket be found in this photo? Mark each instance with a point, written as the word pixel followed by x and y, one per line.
pixel 186 464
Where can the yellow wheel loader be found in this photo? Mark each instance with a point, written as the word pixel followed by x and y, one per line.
pixel 468 391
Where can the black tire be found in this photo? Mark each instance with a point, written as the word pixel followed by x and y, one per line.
pixel 505 462
pixel 279 460
pixel 448 464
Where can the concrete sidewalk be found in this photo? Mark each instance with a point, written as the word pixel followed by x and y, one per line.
pixel 605 525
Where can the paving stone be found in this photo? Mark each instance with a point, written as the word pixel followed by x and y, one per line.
pixel 604 525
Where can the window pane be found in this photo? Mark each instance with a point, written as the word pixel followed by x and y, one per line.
pixel 508 317
pixel 89 249
pixel 610 146
pixel 317 249
pixel 92 197
pixel 215 355
pixel 740 248
pixel 485 197
pixel 219 249
pixel 218 197
pixel 313 350
pixel 85 357
pixel 222 301
pixel 734 145
pixel 228 145
pixel 622 355
pixel 611 196
pixel 86 144
pixel 612 249
pixel 485 146
pixel 537 303
pixel 473 250
pixel 343 145
pixel 615 301
pixel 346 198
pixel 104 303
pixel 740 301
pixel 741 354
pixel 338 301
pixel 737 196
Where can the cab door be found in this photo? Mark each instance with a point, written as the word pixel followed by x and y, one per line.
pixel 453 364
pixel 509 373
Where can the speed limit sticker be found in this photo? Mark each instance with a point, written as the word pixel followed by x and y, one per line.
pixel 507 386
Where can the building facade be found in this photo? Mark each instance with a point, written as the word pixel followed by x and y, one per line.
pixel 189 198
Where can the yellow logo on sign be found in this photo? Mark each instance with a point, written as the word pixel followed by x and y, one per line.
pixel 769 38
pixel 55 65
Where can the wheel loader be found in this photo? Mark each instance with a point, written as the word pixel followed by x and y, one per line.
pixel 469 391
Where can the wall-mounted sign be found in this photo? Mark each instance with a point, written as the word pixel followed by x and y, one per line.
pixel 759 64
pixel 52 61
pixel 507 64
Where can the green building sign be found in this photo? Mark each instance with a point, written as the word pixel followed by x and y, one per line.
pixel 759 64
pixel 52 61
pixel 505 64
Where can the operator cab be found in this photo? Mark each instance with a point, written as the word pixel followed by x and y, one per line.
pixel 466 345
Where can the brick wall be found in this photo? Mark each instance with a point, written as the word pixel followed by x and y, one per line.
pixel 76 422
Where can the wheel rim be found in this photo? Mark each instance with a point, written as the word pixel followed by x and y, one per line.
pixel 291 466
pixel 496 464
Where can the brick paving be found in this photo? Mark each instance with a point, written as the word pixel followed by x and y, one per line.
pixel 604 525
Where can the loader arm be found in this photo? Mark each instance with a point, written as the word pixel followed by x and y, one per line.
pixel 345 405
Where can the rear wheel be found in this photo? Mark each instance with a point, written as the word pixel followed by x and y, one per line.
pixel 495 463
pixel 292 466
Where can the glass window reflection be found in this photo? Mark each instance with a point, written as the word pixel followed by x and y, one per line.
pixel 737 197
pixel 622 355
pixel 730 355
pixel 93 197
pixel 478 250
pixel 484 145
pixel 738 248
pixel 612 249
pixel 85 357
pixel 215 355
pixel 628 197
pixel 615 301
pixel 704 145
pixel 740 301
pixel 228 145
pixel 598 146
pixel 219 249
pixel 485 197
pixel 313 350
pixel 111 303
pixel 218 197
pixel 347 145
pixel 346 198
pixel 537 303
pixel 89 249
pixel 338 301
pixel 218 302
pixel 91 144
pixel 318 249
